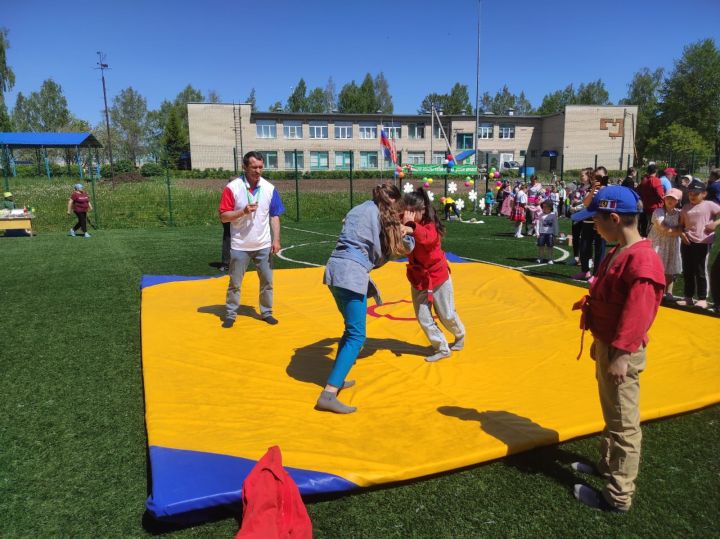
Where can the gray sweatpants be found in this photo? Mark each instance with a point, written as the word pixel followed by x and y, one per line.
pixel 444 302
pixel 239 261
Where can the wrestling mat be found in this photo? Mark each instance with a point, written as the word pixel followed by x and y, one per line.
pixel 216 399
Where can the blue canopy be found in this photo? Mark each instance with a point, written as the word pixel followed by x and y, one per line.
pixel 49 140
pixel 464 155
pixel 549 153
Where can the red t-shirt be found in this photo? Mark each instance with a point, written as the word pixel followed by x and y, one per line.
pixel 427 267
pixel 81 201
pixel 651 193
pixel 625 296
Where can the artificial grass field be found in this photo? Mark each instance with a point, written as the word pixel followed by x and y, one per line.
pixel 73 444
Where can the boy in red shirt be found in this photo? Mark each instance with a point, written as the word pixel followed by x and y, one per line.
pixel 619 310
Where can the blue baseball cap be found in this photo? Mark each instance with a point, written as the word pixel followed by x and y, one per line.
pixel 611 199
pixel 79 186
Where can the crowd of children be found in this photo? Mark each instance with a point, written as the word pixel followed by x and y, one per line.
pixel 678 215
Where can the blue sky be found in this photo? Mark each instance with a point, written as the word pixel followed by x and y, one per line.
pixel 422 46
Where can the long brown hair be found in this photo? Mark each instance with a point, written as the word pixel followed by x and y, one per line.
pixel 385 196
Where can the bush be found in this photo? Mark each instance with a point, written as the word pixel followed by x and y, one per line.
pixel 151 169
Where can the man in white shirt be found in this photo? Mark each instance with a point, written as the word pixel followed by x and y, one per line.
pixel 253 207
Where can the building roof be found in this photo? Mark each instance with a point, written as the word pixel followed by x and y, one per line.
pixel 49 140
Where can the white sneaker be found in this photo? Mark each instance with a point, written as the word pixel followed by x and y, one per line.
pixel 86 235
pixel 550 262
pixel 71 233
pixel 538 260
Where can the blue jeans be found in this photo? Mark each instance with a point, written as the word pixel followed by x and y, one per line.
pixel 239 261
pixel 353 307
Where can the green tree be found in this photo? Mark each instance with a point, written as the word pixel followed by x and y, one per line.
pixel 173 140
pixel 459 100
pixel 367 101
pixel 44 111
pixel 557 101
pixel 644 91
pixel 592 93
pixel 316 101
pixel 213 97
pixel 679 143
pixel 382 94
pixel 349 99
pixel 439 101
pixel 691 94
pixel 297 102
pixel 251 100
pixel 276 107
pixel 128 116
pixel 7 81
pixel 331 97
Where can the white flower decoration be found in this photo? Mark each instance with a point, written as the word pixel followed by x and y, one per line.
pixel 408 188
pixel 472 195
pixel 460 203
pixel 452 188
pixel 431 195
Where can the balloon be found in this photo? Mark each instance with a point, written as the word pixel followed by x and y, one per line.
pixel 398 169
pixel 492 170
pixel 468 178
pixel 425 179
pixel 442 200
pixel 498 184
pixel 467 184
pixel 401 175
pixel 497 174
pixel 396 173
pixel 429 180
pixel 426 185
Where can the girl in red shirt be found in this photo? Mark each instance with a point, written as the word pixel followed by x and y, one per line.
pixel 429 276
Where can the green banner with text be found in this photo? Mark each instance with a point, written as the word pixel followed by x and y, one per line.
pixel 441 170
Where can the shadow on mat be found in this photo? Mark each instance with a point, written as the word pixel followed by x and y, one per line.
pixel 521 435
pixel 313 363
pixel 220 310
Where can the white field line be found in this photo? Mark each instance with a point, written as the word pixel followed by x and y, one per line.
pixel 565 254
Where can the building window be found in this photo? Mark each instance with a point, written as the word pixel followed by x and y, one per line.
pixel 437 133
pixel 368 130
pixel 485 130
pixel 343 130
pixel 416 158
pixel 266 129
pixel 292 129
pixel 270 159
pixel 368 160
pixel 507 131
pixel 416 131
pixel 319 160
pixel 464 141
pixel 290 160
pixel 523 153
pixel 392 129
pixel 318 130
pixel 438 158
pixel 342 160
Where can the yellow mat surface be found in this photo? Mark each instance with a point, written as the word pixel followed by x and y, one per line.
pixel 516 385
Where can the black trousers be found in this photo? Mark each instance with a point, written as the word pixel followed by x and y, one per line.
pixel 226 245
pixel 576 237
pixel 644 221
pixel 694 265
pixel 591 246
pixel 82 221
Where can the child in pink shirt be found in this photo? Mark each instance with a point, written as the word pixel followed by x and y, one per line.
pixel 698 222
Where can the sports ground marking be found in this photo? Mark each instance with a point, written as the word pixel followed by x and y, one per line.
pixel 280 254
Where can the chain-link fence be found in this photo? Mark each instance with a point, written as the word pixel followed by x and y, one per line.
pixel 191 197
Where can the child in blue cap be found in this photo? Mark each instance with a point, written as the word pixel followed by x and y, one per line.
pixel 619 309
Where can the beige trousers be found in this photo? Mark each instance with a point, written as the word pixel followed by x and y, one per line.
pixel 620 439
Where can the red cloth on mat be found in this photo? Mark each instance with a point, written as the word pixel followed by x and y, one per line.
pixel 272 506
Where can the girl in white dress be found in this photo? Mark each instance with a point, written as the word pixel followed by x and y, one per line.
pixel 665 236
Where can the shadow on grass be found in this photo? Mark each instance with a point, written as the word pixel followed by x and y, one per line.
pixel 156 526
pixel 313 363
pixel 221 310
pixel 521 434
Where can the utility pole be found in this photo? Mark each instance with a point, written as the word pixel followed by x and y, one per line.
pixel 102 66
